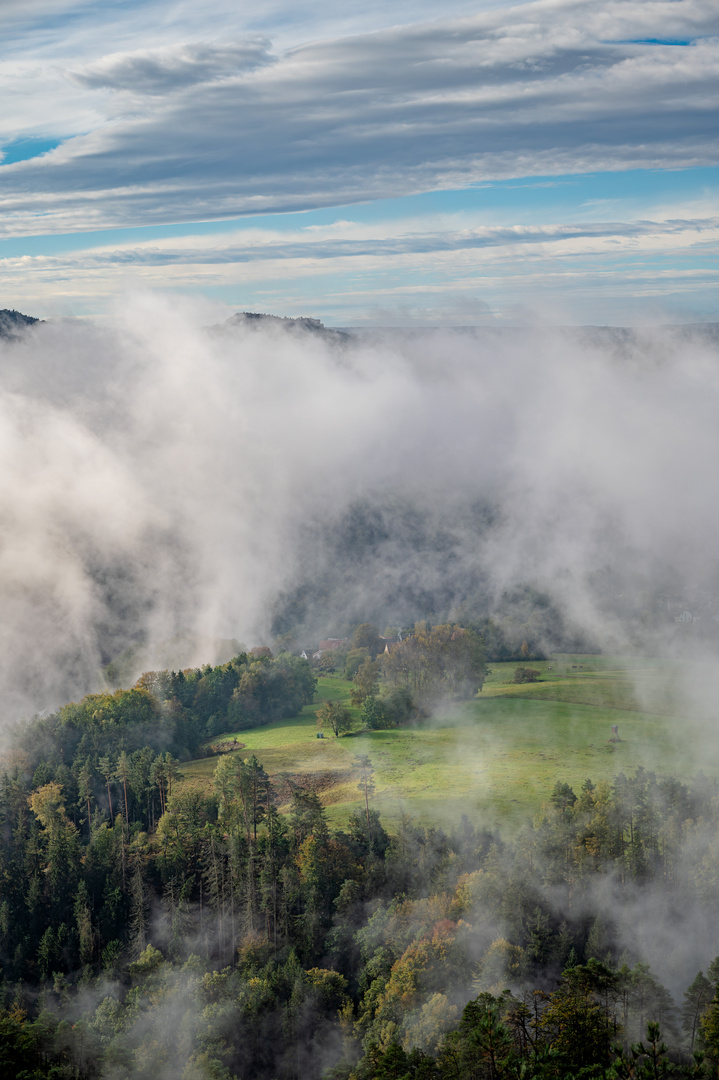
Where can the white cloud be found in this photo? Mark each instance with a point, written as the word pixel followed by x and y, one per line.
pixel 550 87
pixel 348 240
pixel 346 271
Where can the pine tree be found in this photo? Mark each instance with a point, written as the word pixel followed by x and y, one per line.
pixel 274 847
pixel 122 774
pixel 177 912
pixel 258 783
pixel 366 785
pixel 598 942
pixel 47 953
pixel 214 883
pixel 158 777
pixel 83 922
pixel 108 772
pixel 483 1044
pixel 696 999
pixel 137 922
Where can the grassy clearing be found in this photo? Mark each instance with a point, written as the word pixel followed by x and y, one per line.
pixel 289 746
pixel 497 757
pixel 636 685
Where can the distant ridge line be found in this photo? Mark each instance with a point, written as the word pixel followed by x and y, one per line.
pixel 712 327
pixel 13 323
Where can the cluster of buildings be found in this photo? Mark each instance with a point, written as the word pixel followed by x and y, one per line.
pixel 336 644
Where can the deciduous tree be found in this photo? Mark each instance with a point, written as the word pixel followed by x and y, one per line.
pixel 336 717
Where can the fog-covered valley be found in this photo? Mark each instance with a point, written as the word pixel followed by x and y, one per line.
pixel 165 476
pixel 197 504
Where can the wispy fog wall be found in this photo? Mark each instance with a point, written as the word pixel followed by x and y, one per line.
pixel 160 478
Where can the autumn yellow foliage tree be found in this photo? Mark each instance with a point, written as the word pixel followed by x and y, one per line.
pixel 441 662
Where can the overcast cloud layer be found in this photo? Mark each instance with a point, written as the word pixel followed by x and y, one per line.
pixel 166 115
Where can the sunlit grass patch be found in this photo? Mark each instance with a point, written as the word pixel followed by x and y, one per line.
pixel 286 746
pixel 495 758
pixel 634 684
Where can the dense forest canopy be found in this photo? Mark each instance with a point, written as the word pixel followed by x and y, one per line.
pixel 229 932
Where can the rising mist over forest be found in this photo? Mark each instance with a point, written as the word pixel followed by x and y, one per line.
pixel 219 496
pixel 166 475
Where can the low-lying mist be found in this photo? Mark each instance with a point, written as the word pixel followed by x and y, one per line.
pixel 165 480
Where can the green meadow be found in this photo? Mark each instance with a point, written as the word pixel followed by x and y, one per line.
pixel 497 757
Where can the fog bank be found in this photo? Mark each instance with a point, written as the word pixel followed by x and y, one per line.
pixel 161 478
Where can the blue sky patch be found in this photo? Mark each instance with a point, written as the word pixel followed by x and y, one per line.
pixel 24 149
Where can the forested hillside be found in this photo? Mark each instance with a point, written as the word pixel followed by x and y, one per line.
pixel 151 932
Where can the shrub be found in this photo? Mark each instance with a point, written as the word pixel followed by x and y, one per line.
pixel 526 674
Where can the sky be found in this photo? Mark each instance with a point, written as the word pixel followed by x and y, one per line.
pixel 549 162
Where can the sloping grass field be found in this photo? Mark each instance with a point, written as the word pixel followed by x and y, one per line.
pixel 497 757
